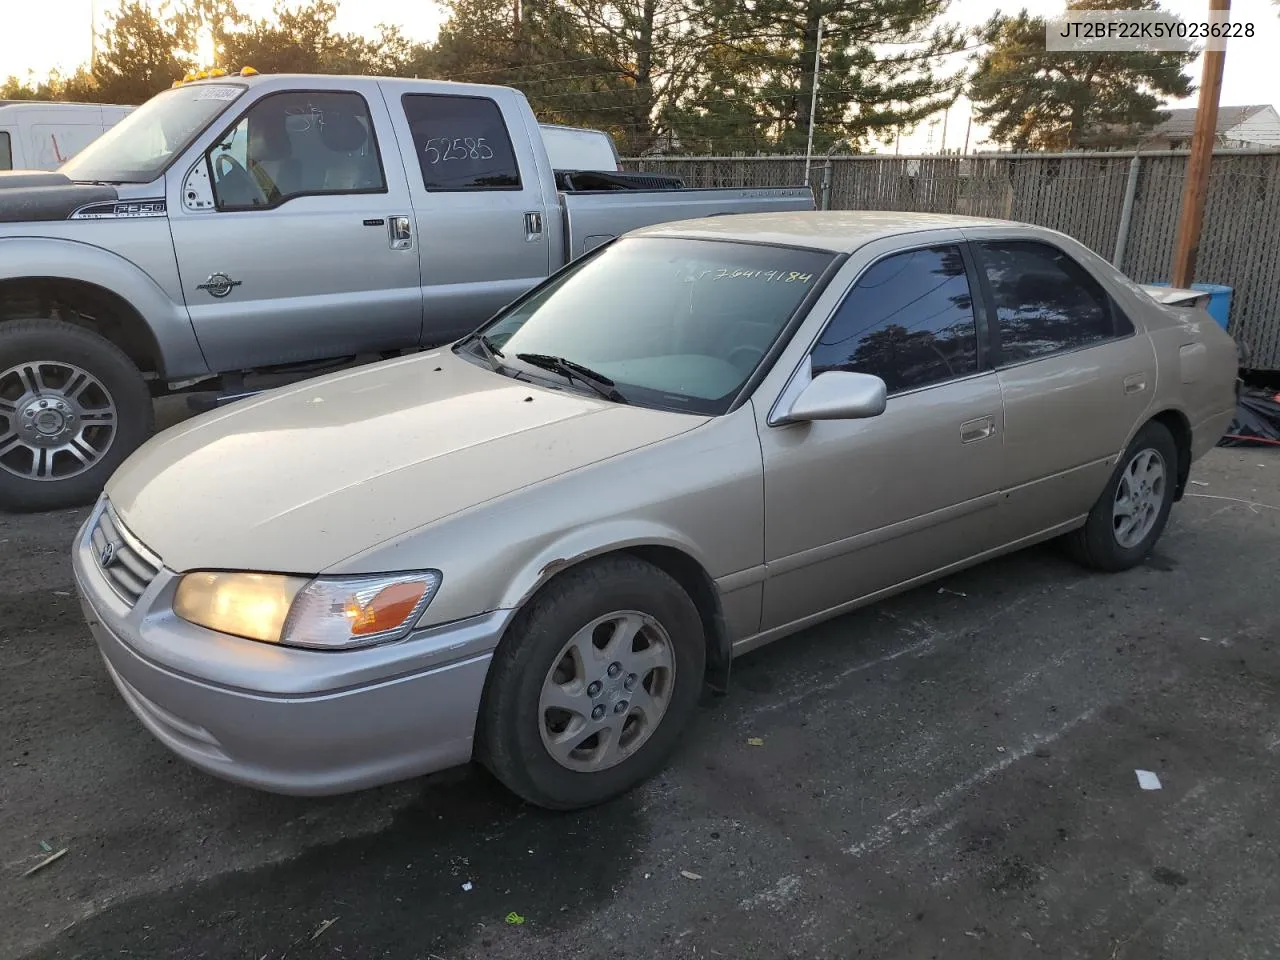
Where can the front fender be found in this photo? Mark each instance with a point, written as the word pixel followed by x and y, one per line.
pixel 583 544
pixel 63 259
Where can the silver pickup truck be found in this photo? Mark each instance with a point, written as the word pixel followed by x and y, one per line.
pixel 278 224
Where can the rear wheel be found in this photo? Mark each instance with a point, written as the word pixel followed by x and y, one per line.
pixel 1129 517
pixel 593 686
pixel 72 407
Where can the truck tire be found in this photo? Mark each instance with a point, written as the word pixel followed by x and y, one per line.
pixel 73 406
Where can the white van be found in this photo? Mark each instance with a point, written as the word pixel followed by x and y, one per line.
pixel 36 135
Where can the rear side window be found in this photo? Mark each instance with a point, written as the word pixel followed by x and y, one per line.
pixel 908 320
pixel 6 151
pixel 1046 303
pixel 461 142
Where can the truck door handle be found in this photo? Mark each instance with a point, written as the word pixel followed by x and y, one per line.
pixel 401 232
pixel 532 225
pixel 979 429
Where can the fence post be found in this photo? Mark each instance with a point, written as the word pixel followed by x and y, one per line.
pixel 1126 212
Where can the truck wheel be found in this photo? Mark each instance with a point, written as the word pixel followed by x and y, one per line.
pixel 72 407
pixel 593 686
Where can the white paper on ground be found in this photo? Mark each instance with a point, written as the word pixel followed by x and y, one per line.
pixel 1147 780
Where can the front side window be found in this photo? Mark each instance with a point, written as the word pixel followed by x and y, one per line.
pixel 139 147
pixel 1045 302
pixel 677 324
pixel 461 143
pixel 6 151
pixel 908 320
pixel 297 144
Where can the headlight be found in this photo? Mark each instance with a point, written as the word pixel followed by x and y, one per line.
pixel 330 613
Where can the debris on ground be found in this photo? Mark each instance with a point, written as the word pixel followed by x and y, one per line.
pixel 1257 420
pixel 323 927
pixel 515 919
pixel 1147 780
pixel 467 887
pixel 954 593
pixel 46 861
pixel 755 741
pixel 690 875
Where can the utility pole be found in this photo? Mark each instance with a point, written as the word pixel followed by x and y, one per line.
pixel 1195 186
pixel 967 127
pixel 945 114
pixel 813 99
pixel 93 35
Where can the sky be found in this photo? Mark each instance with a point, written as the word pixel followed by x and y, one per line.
pixel 27 42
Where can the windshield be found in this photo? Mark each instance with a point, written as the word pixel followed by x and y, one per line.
pixel 677 324
pixel 139 147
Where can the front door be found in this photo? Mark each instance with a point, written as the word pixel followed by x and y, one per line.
pixel 482 217
pixel 306 248
pixel 854 507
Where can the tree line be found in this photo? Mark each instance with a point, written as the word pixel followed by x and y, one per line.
pixel 684 76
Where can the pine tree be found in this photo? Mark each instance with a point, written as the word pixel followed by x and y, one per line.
pixel 1037 100
pixel 879 68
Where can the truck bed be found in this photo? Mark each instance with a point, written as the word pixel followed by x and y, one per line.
pixel 594 218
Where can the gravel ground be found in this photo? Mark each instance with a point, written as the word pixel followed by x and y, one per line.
pixel 947 774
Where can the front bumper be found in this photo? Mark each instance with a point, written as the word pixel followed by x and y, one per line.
pixel 282 719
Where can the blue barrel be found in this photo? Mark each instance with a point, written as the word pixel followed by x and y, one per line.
pixel 1219 300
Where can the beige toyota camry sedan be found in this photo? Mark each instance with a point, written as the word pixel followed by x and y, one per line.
pixel 534 547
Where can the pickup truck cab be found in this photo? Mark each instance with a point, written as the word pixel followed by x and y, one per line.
pixel 252 223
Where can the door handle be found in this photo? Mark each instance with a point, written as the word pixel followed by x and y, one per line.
pixel 401 232
pixel 979 429
pixel 533 226
pixel 1135 383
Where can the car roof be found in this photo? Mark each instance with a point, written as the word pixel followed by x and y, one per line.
pixel 837 231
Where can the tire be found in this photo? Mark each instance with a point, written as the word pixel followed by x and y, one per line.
pixel 76 439
pixel 515 729
pixel 1104 542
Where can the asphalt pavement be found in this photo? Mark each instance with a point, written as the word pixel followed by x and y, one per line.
pixel 951 773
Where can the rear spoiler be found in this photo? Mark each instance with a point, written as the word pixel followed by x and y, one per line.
pixel 1176 296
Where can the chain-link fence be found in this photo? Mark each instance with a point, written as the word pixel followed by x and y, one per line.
pixel 1081 195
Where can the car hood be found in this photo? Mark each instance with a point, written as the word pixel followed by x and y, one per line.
pixel 300 478
pixel 29 196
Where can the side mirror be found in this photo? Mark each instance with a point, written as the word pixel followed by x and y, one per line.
pixel 838 395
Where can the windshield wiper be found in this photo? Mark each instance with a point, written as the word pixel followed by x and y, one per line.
pixel 575 371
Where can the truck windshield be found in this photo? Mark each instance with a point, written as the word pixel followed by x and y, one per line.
pixel 139 147
pixel 673 323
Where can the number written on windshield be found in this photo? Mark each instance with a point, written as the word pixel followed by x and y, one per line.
pixel 444 149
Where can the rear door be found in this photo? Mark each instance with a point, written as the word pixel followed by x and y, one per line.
pixel 1075 375
pixel 480 208
pixel 305 249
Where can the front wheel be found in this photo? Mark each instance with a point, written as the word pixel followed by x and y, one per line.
pixel 593 686
pixel 72 407
pixel 1132 512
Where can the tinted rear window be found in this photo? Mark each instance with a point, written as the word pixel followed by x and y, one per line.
pixel 461 143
